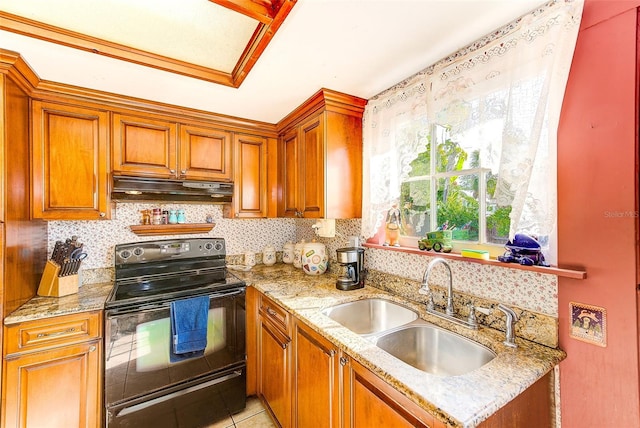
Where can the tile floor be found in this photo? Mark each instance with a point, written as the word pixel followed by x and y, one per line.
pixel 254 415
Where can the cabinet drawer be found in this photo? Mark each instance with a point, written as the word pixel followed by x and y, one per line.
pixel 274 313
pixel 52 332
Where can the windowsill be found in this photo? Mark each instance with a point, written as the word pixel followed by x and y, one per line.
pixel 566 273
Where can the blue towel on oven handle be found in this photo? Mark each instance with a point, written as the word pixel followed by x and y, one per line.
pixel 189 318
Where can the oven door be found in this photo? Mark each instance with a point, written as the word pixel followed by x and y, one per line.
pixel 198 403
pixel 137 343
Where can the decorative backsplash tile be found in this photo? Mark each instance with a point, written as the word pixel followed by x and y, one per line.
pixel 526 290
pixel 101 236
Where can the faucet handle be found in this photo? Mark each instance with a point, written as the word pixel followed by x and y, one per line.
pixel 486 311
pixel 471 319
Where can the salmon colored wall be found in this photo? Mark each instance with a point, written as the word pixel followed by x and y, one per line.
pixel 597 189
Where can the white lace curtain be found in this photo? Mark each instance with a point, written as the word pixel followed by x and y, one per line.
pixel 515 79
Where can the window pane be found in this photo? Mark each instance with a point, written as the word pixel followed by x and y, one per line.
pixel 458 207
pixel 498 220
pixel 415 196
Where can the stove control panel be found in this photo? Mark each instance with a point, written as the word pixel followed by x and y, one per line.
pixel 169 249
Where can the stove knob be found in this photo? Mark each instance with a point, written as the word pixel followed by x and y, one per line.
pixel 218 246
pixel 208 246
pixel 138 251
pixel 125 254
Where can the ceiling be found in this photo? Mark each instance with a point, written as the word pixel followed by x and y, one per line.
pixel 360 47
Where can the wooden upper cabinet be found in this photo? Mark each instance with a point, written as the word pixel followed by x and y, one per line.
pixel 289 172
pixel 70 162
pixel 250 178
pixel 205 154
pixel 311 168
pixel 320 158
pixel 144 147
pixel 153 147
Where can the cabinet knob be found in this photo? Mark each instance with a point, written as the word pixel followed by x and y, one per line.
pixel 172 171
pixel 183 171
pixel 103 215
pixel 92 348
pixel 343 361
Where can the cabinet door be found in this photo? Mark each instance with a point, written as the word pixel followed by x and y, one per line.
pixel 205 154
pixel 70 162
pixel 371 402
pixel 289 175
pixel 274 379
pixel 250 177
pixel 311 170
pixel 316 380
pixel 144 147
pixel 57 388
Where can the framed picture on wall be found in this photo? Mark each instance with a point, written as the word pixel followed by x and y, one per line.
pixel 588 323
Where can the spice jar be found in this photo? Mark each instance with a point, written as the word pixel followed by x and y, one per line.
pixel 173 218
pixel 156 216
pixel 146 217
pixel 181 217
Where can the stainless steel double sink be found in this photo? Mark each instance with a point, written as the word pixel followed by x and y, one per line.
pixel 399 331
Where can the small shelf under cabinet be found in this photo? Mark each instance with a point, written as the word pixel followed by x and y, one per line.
pixel 171 229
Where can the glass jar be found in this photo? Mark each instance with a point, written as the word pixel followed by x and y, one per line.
pixel 173 218
pixel 156 216
pixel 181 218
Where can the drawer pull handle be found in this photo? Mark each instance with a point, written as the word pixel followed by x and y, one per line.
pixel 57 333
pixel 271 312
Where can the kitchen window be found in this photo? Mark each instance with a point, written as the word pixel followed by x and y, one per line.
pixel 469 143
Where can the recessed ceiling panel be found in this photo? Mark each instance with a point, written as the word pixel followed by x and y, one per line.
pixel 194 31
pixel 214 40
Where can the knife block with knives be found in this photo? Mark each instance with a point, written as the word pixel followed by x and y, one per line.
pixel 60 276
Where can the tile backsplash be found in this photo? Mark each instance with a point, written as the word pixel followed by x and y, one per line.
pixel 100 236
pixel 527 290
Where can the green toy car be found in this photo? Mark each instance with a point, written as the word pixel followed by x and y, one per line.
pixel 438 241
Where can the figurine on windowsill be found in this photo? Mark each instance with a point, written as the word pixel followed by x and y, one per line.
pixel 523 249
pixel 392 227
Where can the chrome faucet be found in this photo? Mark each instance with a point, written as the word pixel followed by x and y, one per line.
pixel 425 284
pixel 512 318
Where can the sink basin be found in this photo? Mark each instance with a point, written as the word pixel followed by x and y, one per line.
pixel 434 350
pixel 369 316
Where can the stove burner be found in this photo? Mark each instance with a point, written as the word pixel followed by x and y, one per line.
pixel 168 269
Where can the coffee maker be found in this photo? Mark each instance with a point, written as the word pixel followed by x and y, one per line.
pixel 352 261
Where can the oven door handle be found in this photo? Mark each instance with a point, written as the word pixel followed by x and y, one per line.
pixel 160 305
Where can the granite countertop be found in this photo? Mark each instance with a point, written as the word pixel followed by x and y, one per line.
pixel 464 400
pixel 90 297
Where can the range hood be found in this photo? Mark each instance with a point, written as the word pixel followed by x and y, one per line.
pixel 149 189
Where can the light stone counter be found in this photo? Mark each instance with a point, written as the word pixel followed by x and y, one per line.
pixel 464 400
pixel 90 297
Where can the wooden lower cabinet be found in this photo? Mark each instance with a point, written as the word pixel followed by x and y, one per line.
pixel 305 381
pixel 316 379
pixel 371 402
pixel 274 361
pixel 52 373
